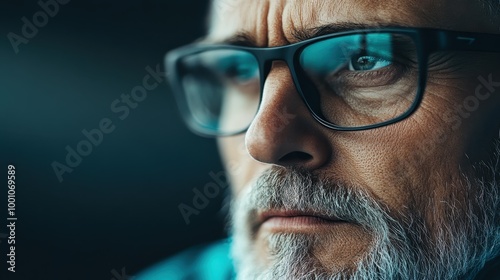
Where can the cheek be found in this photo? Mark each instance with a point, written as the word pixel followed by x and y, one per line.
pixel 466 113
pixel 439 142
pixel 240 166
pixel 380 161
pixel 403 164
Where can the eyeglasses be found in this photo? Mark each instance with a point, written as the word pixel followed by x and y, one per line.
pixel 355 80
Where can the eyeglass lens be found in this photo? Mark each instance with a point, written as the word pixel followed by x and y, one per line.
pixel 359 80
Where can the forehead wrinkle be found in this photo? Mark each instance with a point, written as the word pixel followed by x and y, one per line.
pixel 276 22
pixel 275 17
pixel 262 25
pixel 300 17
pixel 295 20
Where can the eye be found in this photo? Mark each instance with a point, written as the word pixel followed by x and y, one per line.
pixel 238 69
pixel 242 72
pixel 365 62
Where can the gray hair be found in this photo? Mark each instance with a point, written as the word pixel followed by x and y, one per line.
pixel 463 238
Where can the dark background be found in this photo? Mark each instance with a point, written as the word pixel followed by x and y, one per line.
pixel 118 208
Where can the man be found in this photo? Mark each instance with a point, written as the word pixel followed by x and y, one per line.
pixel 360 137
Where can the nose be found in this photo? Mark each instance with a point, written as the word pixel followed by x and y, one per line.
pixel 283 131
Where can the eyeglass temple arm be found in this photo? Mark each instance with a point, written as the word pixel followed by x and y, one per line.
pixel 464 41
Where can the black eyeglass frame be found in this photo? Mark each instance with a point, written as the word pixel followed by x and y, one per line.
pixel 427 41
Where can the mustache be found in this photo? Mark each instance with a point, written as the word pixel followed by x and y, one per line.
pixel 299 190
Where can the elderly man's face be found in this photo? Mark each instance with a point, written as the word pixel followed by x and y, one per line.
pixel 391 201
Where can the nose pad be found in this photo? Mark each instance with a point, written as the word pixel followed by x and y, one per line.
pixel 283 131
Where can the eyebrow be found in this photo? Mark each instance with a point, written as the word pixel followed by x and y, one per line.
pixel 242 38
pixel 247 40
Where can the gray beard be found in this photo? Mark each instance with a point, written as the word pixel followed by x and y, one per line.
pixel 463 239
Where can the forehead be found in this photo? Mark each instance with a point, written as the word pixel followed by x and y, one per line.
pixel 275 22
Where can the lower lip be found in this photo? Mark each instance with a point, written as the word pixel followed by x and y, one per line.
pixel 297 223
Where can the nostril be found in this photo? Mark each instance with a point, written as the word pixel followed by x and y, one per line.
pixel 295 158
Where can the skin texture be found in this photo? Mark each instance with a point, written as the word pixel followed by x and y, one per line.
pixel 407 165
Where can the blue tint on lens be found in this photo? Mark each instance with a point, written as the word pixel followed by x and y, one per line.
pixel 241 67
pixel 332 55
